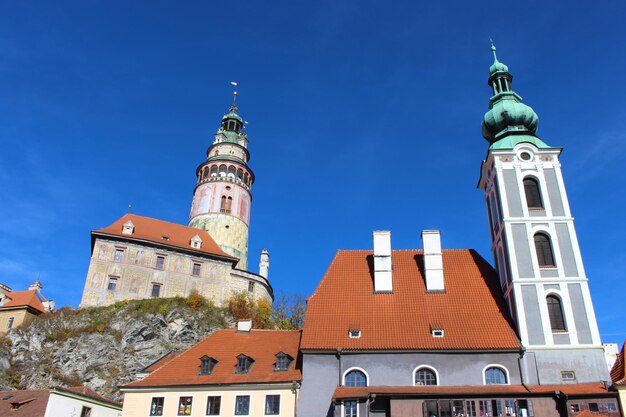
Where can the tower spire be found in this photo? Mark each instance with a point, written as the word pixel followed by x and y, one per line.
pixel 233 107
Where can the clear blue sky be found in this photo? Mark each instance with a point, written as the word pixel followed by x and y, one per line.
pixel 363 116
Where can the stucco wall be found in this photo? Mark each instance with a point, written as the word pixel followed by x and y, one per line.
pixel 60 406
pixel 137 404
pixel 20 316
pixel 588 364
pixel 137 273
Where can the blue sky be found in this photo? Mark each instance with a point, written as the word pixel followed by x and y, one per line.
pixel 362 116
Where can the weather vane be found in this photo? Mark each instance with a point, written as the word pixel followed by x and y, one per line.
pixel 234 84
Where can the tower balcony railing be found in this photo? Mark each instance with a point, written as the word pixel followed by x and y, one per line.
pixel 229 179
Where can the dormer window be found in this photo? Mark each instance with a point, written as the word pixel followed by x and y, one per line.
pixel 283 361
pixel 196 242
pixel 128 228
pixel 207 364
pixel 436 330
pixel 244 363
pixel 166 238
pixel 354 333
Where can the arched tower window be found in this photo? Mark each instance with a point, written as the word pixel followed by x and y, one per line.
pixel 214 170
pixel 355 378
pixel 533 194
pixel 229 204
pixel 555 311
pixel 495 376
pixel 425 376
pixel 543 246
pixel 223 204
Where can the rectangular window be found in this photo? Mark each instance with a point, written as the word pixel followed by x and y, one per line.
pixel 156 407
pixel 272 405
pixel 568 376
pixel 242 405
pixel 213 406
pixel 251 286
pixel 196 270
pixel 10 322
pixel 524 408
pixel 184 406
pixel 470 408
pixel 509 407
pixel 350 408
pixel 119 255
pixel 85 412
pixel 594 407
pixel 575 408
pixel 160 262
pixel 112 283
pixel 156 290
pixel 611 407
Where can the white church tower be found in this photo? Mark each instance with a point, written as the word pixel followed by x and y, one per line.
pixel 534 244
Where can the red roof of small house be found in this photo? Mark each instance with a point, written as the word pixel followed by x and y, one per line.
pixel 471 311
pixel 28 298
pixel 164 233
pixel 424 390
pixel 85 391
pixel 225 346
pixel 617 372
pixel 26 403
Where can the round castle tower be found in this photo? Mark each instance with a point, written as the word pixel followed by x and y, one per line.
pixel 222 197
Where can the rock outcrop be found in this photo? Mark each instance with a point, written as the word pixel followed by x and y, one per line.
pixel 103 347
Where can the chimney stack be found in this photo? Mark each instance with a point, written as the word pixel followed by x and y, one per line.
pixel 264 263
pixel 382 261
pixel 244 326
pixel 433 262
pixel 37 286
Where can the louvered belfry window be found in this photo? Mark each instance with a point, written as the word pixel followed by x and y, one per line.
pixel 555 311
pixel 544 250
pixel 533 195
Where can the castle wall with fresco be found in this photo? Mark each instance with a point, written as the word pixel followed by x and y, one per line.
pixel 122 271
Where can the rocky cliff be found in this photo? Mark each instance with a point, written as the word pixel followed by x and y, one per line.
pixel 103 347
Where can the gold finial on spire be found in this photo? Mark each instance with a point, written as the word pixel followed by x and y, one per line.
pixel 234 84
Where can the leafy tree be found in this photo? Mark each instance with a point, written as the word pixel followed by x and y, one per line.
pixel 289 311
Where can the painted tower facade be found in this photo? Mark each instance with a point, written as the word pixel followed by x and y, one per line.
pixel 535 245
pixel 222 197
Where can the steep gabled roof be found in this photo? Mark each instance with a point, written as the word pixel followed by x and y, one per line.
pixel 471 310
pixel 224 346
pixel 28 298
pixel 154 230
pixel 618 375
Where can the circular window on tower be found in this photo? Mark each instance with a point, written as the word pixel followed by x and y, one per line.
pixel 525 156
pixel 228 188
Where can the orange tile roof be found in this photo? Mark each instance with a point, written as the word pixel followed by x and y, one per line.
pixel 28 298
pixel 574 389
pixel 587 413
pixel 163 360
pixel 224 346
pixel 32 403
pixel 471 311
pixel 153 230
pixel 617 372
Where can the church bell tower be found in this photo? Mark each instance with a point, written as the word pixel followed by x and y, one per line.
pixel 222 197
pixel 534 243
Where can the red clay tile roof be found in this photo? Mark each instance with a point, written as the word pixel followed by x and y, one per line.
pixel 153 230
pixel 163 360
pixel 617 372
pixel 89 393
pixel 471 311
pixel 33 403
pixel 28 298
pixel 574 389
pixel 224 346
pixel 587 413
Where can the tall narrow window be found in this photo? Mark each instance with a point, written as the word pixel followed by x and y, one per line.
pixel 160 262
pixel 196 270
pixel 355 379
pixel 243 364
pixel 112 284
pixel 555 312
pixel 350 408
pixel 272 405
pixel 156 407
pixel 223 204
pixel 119 255
pixel 544 250
pixel 533 196
pixel 242 405
pixel 184 406
pixel 85 412
pixel 213 405
pixel 10 322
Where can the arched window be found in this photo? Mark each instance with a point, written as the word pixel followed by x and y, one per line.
pixel 223 204
pixel 495 376
pixel 544 250
pixel 355 378
pixel 533 195
pixel 555 311
pixel 229 204
pixel 214 171
pixel 425 376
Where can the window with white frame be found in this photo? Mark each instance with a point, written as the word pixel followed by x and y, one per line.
pixel 425 376
pixel 495 376
pixel 350 408
pixel 355 378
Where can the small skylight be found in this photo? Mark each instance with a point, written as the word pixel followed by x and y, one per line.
pixel 165 237
pixel 437 332
pixel 354 333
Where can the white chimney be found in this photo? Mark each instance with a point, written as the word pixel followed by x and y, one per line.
pixel 244 326
pixel 264 263
pixel 382 261
pixel 433 262
pixel 35 286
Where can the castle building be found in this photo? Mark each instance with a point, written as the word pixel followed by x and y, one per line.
pixel 141 257
pixel 438 332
